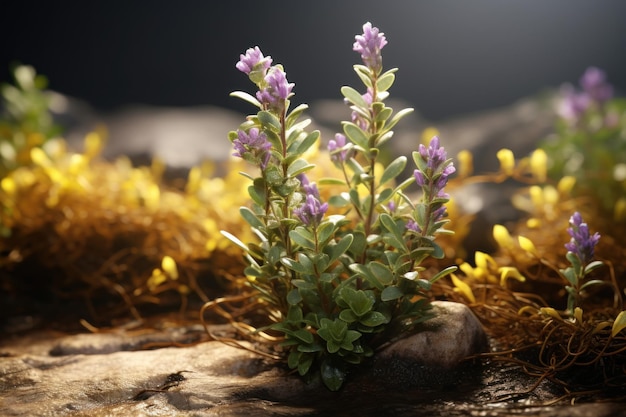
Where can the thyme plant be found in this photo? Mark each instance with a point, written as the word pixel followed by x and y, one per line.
pixel 580 250
pixel 590 143
pixel 337 285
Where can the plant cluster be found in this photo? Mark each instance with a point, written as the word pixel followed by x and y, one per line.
pixel 337 286
pixel 26 122
pixel 115 235
pixel 590 143
pixel 341 253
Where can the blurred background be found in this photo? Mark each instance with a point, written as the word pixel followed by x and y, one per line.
pixel 455 57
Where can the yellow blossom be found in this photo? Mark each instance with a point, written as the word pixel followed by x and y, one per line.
pixel 507 161
pixel 465 163
pixel 462 287
pixel 539 165
pixel 527 245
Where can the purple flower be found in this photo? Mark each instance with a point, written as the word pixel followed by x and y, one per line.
pixel 582 244
pixel 574 104
pixel 593 82
pixel 276 91
pixel 413 226
pixel 432 176
pixel 252 145
pixel 311 212
pixel 434 155
pixel 369 45
pixel 253 60
pixel 595 89
pixel 308 187
pixel 335 144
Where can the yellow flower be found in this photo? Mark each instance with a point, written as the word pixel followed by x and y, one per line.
pixel 539 165
pixel 462 287
pixel 507 161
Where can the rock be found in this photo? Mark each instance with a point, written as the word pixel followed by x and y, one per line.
pixel 446 340
pixel 212 379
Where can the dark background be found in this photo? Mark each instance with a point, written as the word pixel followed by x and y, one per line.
pixel 454 56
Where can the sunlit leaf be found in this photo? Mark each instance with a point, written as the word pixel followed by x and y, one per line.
pixel 619 324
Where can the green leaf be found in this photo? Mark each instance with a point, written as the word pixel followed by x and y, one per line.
pixel 364 74
pixel 257 192
pixel 304 335
pixel 340 248
pixel 393 170
pixel 332 376
pixel 235 240
pixel 304 364
pixel 391 293
pixel 298 166
pixel 273 175
pixel 592 266
pixel 268 120
pixel 355 134
pixel 338 201
pixel 247 97
pixel 570 276
pixel 395 237
pixel 443 273
pixel 358 243
pixel 301 237
pixel 592 283
pixel 294 297
pixel 575 262
pixel 302 284
pixel 619 324
pixel 353 96
pixel 397 118
pixel 359 301
pixel 365 273
pixel 384 196
pixel 382 117
pixel 374 318
pixel 348 316
pixel 294 114
pixel 331 181
pixel 381 272
pixel 251 218
pixel 295 266
pixel 386 80
pixel 307 142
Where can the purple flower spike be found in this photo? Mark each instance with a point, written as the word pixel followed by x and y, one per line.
pixel 312 211
pixel 432 176
pixel 593 82
pixel 581 244
pixel 369 45
pixel 435 155
pixel 253 58
pixel 308 187
pixel 276 91
pixel 254 145
pixel 337 143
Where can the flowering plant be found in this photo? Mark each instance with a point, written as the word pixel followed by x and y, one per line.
pixel 337 286
pixel 590 143
pixel 580 251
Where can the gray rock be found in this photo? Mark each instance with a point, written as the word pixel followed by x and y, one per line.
pixel 445 341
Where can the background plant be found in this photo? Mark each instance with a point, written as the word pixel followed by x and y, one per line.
pixel 590 143
pixel 26 121
pixel 335 287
